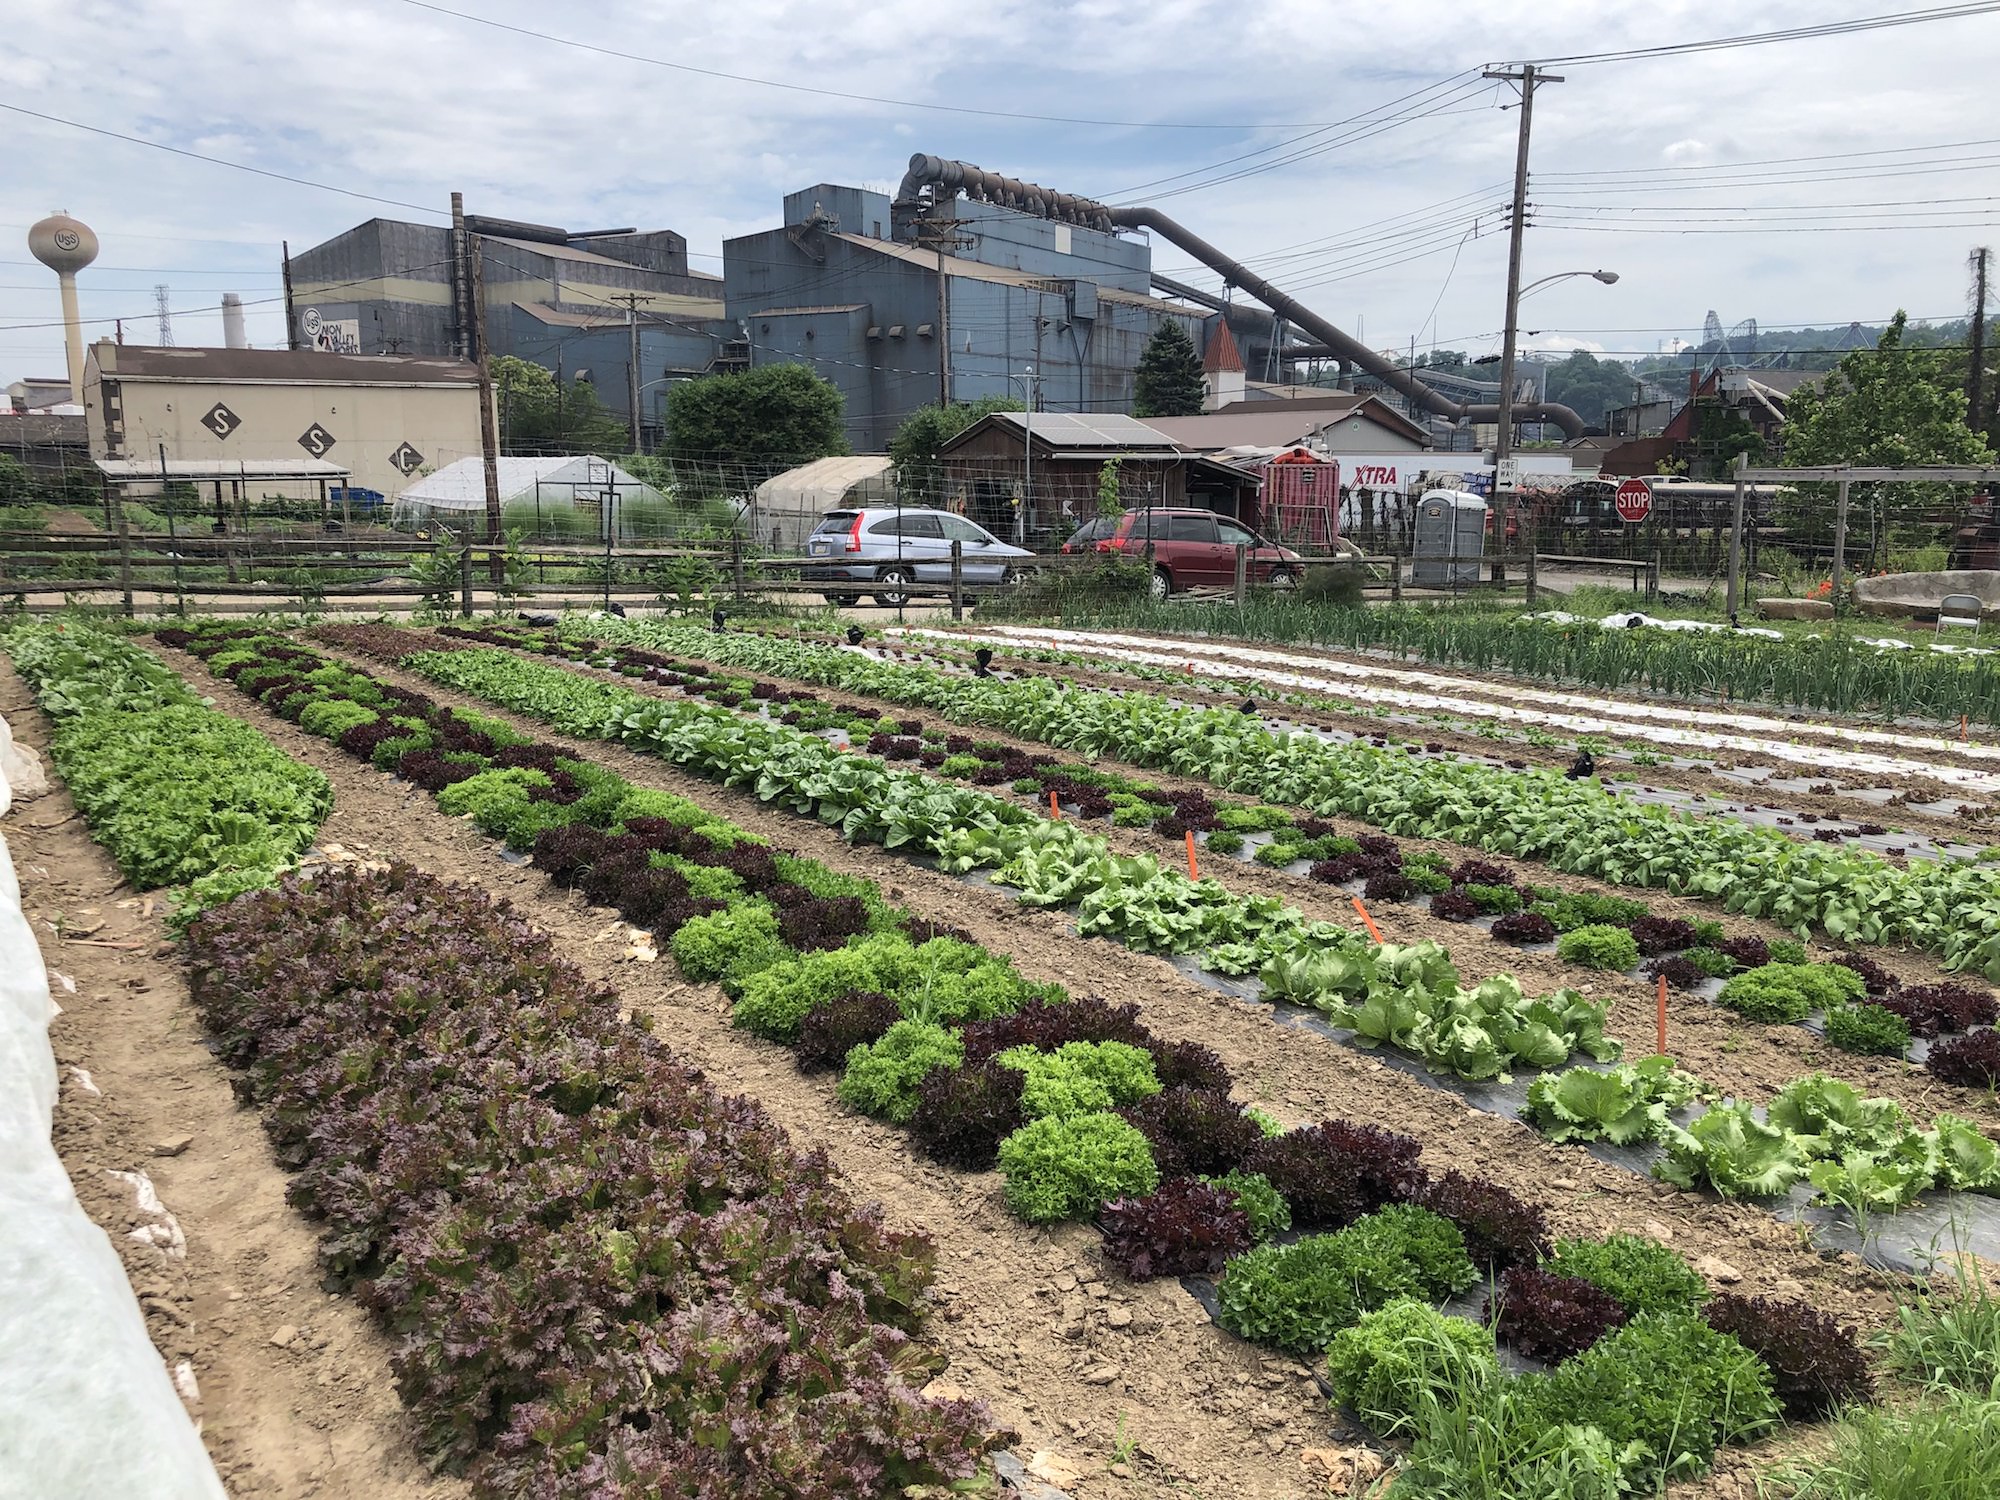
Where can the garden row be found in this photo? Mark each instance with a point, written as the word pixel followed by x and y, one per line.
pixel 707 1309
pixel 1090 1116
pixel 1574 825
pixel 1596 932
pixel 1409 997
pixel 1834 672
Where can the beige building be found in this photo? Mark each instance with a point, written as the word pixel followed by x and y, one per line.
pixel 385 419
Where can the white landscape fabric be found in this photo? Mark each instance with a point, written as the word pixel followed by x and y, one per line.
pixel 87 1410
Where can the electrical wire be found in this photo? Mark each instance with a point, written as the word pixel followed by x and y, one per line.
pixel 1767 38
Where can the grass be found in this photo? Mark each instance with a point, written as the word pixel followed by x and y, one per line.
pixel 1950 1342
pixel 1948 1449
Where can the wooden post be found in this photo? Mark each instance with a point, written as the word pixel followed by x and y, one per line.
pixel 1839 542
pixel 1653 578
pixel 736 560
pixel 489 436
pixel 125 558
pixel 1396 577
pixel 465 579
pixel 1734 589
pixel 1242 574
pixel 957 580
pixel 1532 580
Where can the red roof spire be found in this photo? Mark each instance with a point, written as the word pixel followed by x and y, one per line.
pixel 1222 357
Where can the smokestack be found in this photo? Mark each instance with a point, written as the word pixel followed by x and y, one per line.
pixel 232 322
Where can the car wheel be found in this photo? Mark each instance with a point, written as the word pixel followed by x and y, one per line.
pixel 1284 580
pixel 1014 578
pixel 1163 583
pixel 892 588
pixel 842 601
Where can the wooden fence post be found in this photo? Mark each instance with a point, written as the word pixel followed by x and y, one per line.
pixel 465 580
pixel 958 580
pixel 1242 574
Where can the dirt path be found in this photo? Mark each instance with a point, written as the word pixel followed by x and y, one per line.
pixel 317 1417
pixel 1742 1059
pixel 1298 1075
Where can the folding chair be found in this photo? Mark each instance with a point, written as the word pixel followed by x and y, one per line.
pixel 1958 609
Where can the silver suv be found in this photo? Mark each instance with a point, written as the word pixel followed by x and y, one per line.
pixel 894 554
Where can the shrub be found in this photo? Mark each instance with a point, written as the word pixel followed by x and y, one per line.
pixel 963 1115
pixel 1333 1173
pixel 1666 1380
pixel 1599 946
pixel 834 1028
pixel 881 1077
pixel 1788 991
pixel 1551 1317
pixel 1264 1207
pixel 1815 1364
pixel 1194 1132
pixel 1382 1368
pixel 731 946
pixel 1068 1169
pixel 1972 1060
pixel 1870 1030
pixel 1186 1228
pixel 1524 927
pixel 1500 1228
pixel 1644 1275
pixel 1081 1078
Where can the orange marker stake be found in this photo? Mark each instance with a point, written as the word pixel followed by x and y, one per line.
pixel 1055 810
pixel 1194 870
pixel 1662 1048
pixel 1367 921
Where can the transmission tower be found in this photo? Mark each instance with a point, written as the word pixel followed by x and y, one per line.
pixel 165 315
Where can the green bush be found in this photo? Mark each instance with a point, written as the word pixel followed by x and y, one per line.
pixel 1872 1030
pixel 1667 1381
pixel 1081 1078
pixel 1599 946
pixel 1263 1205
pixel 1790 992
pixel 1068 1169
pixel 1642 1274
pixel 1384 1365
pixel 330 719
pixel 731 946
pixel 881 1077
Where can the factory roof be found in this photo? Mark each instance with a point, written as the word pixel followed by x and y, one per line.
pixel 277 366
pixel 798 312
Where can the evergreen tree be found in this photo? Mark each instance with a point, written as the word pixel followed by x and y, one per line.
pixel 1168 380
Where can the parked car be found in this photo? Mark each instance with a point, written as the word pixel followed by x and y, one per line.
pixel 894 554
pixel 1191 549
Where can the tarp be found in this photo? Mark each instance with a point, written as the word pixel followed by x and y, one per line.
pixel 86 1406
pixel 790 504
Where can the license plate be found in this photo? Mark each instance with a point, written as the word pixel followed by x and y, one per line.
pixel 817 549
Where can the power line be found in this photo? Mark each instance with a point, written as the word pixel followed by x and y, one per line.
pixel 1787 34
pixel 826 93
pixel 1773 161
pixel 217 161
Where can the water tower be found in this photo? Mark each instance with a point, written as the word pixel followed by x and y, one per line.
pixel 66 246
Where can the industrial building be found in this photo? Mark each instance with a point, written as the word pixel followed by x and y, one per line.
pixel 382 419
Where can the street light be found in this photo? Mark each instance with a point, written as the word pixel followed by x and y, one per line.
pixel 1027 447
pixel 1503 441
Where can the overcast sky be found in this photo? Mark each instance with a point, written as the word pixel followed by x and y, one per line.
pixel 1394 233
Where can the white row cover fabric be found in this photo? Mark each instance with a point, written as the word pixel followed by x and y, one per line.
pixel 87 1409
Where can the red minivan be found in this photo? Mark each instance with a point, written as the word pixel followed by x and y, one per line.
pixel 1191 549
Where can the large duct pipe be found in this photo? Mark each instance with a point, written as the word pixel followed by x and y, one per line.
pixel 946 178
pixel 1337 343
pixel 233 336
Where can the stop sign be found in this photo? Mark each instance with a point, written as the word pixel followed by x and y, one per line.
pixel 1634 500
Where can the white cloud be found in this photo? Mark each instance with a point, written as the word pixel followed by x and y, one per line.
pixel 384 98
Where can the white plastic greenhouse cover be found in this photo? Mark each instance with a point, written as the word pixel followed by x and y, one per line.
pixel 87 1409
pixel 461 484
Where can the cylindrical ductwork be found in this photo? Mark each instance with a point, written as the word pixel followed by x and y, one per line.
pixel 233 336
pixel 947 178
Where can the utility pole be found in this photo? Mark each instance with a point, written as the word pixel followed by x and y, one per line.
pixel 489 439
pixel 1975 377
pixel 940 235
pixel 631 301
pixel 1529 79
pixel 461 312
pixel 291 319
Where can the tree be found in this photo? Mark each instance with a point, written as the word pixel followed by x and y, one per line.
pixel 537 415
pixel 1168 380
pixel 15 483
pixel 1893 406
pixel 773 416
pixel 1590 386
pixel 1442 359
pixel 925 431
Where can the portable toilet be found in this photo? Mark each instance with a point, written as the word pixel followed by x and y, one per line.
pixel 1450 538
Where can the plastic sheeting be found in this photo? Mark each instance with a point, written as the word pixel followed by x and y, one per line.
pixel 87 1408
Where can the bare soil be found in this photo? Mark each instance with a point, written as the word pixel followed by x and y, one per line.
pixel 1209 1413
pixel 317 1417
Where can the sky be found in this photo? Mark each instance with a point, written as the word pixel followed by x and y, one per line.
pixel 1351 153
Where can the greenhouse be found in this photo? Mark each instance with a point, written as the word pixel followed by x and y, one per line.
pixel 566 495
